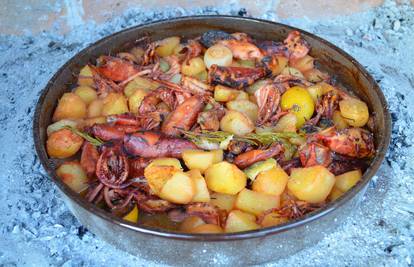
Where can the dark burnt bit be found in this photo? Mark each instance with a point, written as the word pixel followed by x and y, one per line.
pixel 211 37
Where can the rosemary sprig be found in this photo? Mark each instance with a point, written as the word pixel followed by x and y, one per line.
pixel 269 138
pixel 93 140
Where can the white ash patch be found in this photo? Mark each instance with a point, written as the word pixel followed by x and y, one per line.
pixel 37 229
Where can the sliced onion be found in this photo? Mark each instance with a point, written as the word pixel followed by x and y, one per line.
pixel 219 55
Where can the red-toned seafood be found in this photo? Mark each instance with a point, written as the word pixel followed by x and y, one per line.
pixel 89 158
pixel 315 154
pixel 207 212
pixel 267 99
pixel 112 168
pixel 248 158
pixel 236 77
pixel 154 145
pixel 116 69
pixel 297 47
pixel 242 49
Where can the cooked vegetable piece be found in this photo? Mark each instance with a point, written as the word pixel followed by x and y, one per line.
pixel 237 123
pixel 201 191
pixel 293 72
pixel 272 182
pixel 223 201
pixel 166 162
pixel 63 144
pixel 166 46
pixel 132 216
pixel 207 229
pixel 87 94
pixel 224 177
pixel 257 85
pixel 303 64
pixel 179 189
pixel 339 121
pixel 246 107
pixel 312 184
pixel 140 83
pixel 73 175
pixel 315 91
pixel 193 67
pixel 85 76
pixel 258 167
pixel 354 111
pixel 91 121
pixel 157 176
pixel 286 123
pixel 190 223
pixel 272 219
pixel 335 194
pixel 225 94
pixel 201 160
pixel 135 100
pixel 279 63
pixel 218 55
pixel 255 202
pixel 113 104
pixel 95 108
pixel 315 75
pixel 70 106
pixel 299 102
pixel 239 221
pixel 347 180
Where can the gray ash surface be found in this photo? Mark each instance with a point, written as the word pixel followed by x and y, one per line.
pixel 37 229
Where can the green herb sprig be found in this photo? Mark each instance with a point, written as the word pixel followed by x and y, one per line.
pixel 93 140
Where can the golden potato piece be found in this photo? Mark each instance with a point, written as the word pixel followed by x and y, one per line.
pixel 91 121
pixel 237 123
pixel 193 67
pixel 347 180
pixel 157 176
pixel 95 108
pixel 201 191
pixel 87 94
pixel 312 184
pixel 113 104
pixel 166 46
pixel 303 64
pixel 132 216
pixel 85 77
pixel 256 202
pixel 73 175
pixel 272 182
pixel 335 194
pixel 63 144
pixel 354 111
pixel 207 229
pixel 286 124
pixel 166 162
pixel 273 219
pixel 239 221
pixel 200 159
pixel 225 94
pixel 135 100
pixel 224 177
pixel 179 189
pixel 190 223
pixel 339 121
pixel 223 201
pixel 70 106
pixel 246 107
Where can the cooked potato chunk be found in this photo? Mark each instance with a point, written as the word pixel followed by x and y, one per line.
pixel 201 192
pixel 312 184
pixel 179 189
pixel 95 108
pixel 166 162
pixel 303 64
pixel 200 159
pixel 335 194
pixel 91 121
pixel 347 180
pixel 281 64
pixel 237 123
pixel 70 106
pixel 246 107
pixel 132 216
pixel 224 177
pixel 73 175
pixel 225 94
pixel 286 123
pixel 255 202
pixel 315 91
pixel 223 201
pixel 272 182
pixel 63 144
pixel 354 111
pixel 292 71
pixel 239 221
pixel 134 101
pixel 272 219
pixel 114 103
pixel 140 83
pixel 85 76
pixel 257 85
pixel 87 94
pixel 338 120
pixel 207 229
pixel 157 176
pixel 190 223
pixel 166 46
pixel 59 125
pixel 315 75
pixel 193 67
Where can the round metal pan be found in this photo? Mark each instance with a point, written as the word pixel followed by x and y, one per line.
pixel 250 247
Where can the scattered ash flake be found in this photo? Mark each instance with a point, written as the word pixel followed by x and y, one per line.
pixel 38 230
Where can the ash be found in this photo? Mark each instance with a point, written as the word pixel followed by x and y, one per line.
pixel 37 229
